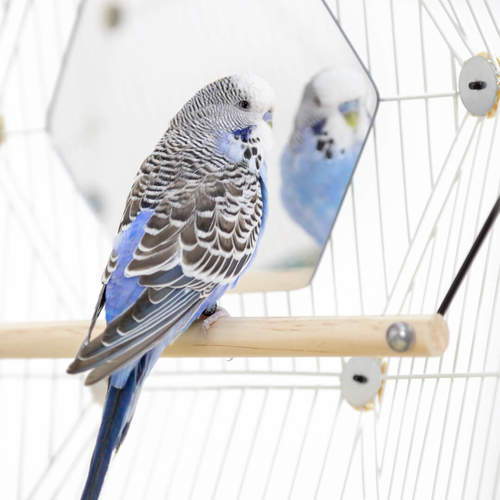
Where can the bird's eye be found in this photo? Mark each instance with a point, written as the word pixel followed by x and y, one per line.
pixel 317 100
pixel 243 104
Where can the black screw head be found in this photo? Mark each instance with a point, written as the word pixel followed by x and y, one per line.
pixel 477 85
pixel 361 379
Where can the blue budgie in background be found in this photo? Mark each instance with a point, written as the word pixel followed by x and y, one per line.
pixel 318 161
pixel 190 229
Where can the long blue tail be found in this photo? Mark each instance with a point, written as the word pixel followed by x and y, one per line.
pixel 114 426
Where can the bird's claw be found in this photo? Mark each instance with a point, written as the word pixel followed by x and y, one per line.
pixel 213 317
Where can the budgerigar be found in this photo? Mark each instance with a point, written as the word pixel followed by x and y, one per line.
pixel 318 161
pixel 190 229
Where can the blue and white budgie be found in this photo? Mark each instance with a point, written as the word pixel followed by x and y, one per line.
pixel 190 229
pixel 319 159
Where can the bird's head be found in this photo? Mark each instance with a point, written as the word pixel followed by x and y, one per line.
pixel 333 108
pixel 233 103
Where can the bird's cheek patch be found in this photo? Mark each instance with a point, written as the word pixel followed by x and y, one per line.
pixel 231 148
pixel 317 127
pixel 242 134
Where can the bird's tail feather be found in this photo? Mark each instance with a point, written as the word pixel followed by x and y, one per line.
pixel 115 419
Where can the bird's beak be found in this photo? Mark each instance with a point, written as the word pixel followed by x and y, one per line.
pixel 350 111
pixel 352 118
pixel 268 117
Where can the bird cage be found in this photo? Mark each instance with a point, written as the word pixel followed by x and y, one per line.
pixel 334 376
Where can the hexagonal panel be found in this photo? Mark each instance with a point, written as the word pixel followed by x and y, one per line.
pixel 131 68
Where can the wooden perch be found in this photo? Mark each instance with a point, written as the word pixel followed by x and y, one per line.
pixel 246 337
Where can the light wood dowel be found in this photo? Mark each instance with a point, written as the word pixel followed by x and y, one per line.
pixel 245 337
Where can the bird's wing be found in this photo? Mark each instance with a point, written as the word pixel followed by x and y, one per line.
pixel 145 176
pixel 132 208
pixel 200 236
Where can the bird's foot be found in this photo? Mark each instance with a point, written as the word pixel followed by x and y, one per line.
pixel 211 315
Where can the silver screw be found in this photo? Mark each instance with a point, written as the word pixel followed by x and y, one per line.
pixel 400 336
